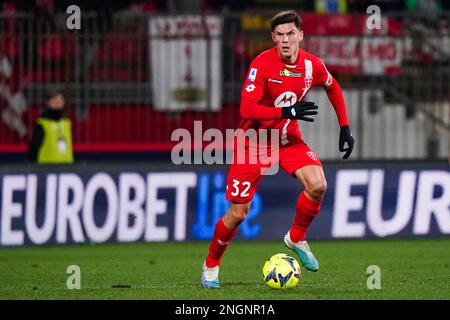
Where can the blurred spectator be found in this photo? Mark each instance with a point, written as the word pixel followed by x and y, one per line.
pixel 331 6
pixel 51 141
pixel 231 5
pixel 445 5
pixel 426 12
pixel 386 6
pixel 356 6
pixel 185 6
pixel 146 6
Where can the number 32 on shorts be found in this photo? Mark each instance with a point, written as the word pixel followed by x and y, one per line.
pixel 243 191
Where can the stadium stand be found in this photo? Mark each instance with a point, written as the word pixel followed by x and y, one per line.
pixel 106 69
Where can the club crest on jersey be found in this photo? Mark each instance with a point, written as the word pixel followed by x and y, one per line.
pixel 312 155
pixel 308 81
pixel 286 99
pixel 252 74
pixel 288 73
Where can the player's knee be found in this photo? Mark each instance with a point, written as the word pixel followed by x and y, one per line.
pixel 238 212
pixel 239 215
pixel 317 189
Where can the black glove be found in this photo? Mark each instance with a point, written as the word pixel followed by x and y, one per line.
pixel 346 136
pixel 299 111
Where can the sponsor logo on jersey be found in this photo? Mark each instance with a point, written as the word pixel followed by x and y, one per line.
pixel 286 99
pixel 312 155
pixel 250 88
pixel 288 73
pixel 275 80
pixel 252 74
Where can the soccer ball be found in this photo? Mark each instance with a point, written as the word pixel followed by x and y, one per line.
pixel 281 271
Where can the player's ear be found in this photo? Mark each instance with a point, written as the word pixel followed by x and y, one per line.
pixel 273 36
pixel 300 36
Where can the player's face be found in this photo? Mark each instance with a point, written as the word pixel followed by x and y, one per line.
pixel 287 38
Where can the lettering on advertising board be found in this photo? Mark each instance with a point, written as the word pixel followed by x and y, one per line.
pixel 162 206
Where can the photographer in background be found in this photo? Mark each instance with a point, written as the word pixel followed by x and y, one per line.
pixel 51 141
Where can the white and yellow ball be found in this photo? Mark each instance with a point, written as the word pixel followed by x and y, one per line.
pixel 281 271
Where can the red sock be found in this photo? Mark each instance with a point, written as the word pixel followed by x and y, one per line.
pixel 306 211
pixel 222 237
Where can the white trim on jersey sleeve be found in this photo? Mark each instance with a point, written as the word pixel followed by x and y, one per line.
pixel 329 78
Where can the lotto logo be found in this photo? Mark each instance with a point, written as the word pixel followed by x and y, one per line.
pixel 223 243
pixel 250 88
pixel 312 155
pixel 293 112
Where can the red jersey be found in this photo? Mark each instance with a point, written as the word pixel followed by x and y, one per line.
pixel 272 84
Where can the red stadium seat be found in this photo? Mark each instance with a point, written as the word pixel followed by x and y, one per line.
pixel 56 48
pixel 9 47
pixel 118 48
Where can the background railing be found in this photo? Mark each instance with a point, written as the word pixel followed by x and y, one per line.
pixel 105 70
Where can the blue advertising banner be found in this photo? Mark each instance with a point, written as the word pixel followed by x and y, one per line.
pixel 119 202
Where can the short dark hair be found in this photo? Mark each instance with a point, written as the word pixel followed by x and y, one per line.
pixel 287 16
pixel 51 93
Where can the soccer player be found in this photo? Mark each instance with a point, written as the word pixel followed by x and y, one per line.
pixel 277 81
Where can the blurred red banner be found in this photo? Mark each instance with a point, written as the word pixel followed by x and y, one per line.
pixel 348 45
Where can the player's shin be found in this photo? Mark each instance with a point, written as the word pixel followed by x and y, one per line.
pixel 221 238
pixel 306 211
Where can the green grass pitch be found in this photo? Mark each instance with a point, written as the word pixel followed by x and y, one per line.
pixel 410 269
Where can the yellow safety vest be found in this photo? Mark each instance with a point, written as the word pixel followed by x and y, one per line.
pixel 56 146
